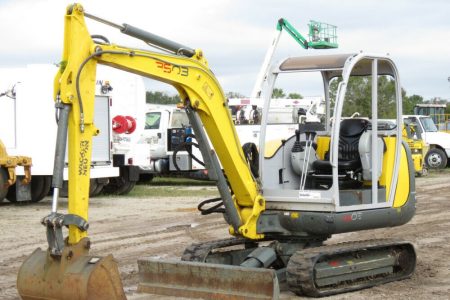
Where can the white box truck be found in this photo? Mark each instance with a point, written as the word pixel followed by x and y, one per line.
pixel 28 124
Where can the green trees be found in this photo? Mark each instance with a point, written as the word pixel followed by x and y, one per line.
pixel 278 93
pixel 409 102
pixel 294 96
pixel 359 95
pixel 161 98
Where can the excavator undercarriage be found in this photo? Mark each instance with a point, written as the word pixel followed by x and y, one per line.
pixel 305 267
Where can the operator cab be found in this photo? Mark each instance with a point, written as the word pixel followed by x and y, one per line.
pixel 349 160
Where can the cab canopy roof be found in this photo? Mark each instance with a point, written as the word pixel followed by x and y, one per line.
pixel 333 65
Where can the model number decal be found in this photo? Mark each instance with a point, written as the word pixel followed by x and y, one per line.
pixel 356 216
pixel 169 68
pixel 83 162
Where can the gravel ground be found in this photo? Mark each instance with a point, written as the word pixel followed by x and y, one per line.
pixel 131 228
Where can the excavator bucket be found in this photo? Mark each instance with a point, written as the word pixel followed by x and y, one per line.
pixel 73 275
pixel 204 280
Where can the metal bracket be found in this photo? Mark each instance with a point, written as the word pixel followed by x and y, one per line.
pixel 54 223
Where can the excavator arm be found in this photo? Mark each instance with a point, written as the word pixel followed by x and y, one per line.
pixel 198 89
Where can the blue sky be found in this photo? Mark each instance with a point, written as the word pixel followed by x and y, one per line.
pixel 235 35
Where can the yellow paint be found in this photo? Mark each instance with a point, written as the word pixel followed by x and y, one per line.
pixel 271 147
pixel 250 216
pixel 402 186
pixel 388 164
pixel 417 146
pixel 323 146
pixel 418 162
pixel 295 215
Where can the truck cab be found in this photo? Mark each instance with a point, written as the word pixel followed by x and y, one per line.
pixel 439 142
pixel 436 112
pixel 165 128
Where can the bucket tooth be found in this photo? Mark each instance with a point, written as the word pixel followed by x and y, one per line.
pixel 204 280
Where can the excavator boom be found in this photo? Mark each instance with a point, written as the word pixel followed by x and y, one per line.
pixel 188 72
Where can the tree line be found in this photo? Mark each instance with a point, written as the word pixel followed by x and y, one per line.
pixel 157 97
pixel 358 97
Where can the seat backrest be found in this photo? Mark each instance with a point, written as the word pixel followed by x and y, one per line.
pixel 349 135
pixel 365 151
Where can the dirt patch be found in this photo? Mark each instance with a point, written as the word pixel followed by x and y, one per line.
pixel 131 228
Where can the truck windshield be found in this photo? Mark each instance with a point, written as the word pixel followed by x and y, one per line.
pixel 152 120
pixel 428 124
pixel 179 119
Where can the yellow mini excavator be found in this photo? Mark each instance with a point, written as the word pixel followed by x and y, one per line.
pixel 347 175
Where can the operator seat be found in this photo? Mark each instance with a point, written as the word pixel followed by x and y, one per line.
pixel 348 154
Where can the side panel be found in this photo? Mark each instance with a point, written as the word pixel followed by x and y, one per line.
pixel 35 118
pixel 28 124
pixel 8 123
pixel 405 180
pixel 101 150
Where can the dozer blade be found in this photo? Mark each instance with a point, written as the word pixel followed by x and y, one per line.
pixel 73 275
pixel 204 280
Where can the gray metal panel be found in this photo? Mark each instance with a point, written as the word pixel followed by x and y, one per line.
pixel 303 63
pixel 101 143
pixel 23 191
pixel 281 160
pixel 323 223
pixel 184 162
pixel 364 196
pixel 206 281
pixel 332 65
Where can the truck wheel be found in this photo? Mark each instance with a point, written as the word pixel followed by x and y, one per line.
pixel 436 159
pixel 126 189
pixel 3 180
pixel 37 189
pixel 145 178
pixel 119 186
pixel 92 186
pixel 97 190
pixel 46 185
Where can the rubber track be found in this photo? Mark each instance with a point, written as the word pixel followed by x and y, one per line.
pixel 300 269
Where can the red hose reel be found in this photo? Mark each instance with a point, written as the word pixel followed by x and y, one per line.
pixel 123 124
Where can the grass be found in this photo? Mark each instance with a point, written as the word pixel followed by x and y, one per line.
pixel 147 191
pixel 170 181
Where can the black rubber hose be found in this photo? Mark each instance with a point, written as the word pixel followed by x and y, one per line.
pixel 100 37
pixel 213 209
pixel 252 156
